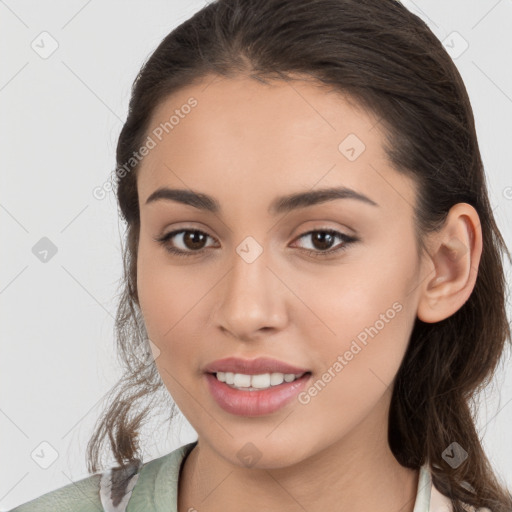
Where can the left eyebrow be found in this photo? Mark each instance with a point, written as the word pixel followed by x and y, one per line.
pixel 279 205
pixel 311 198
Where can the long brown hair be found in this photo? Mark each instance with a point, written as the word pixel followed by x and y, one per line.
pixel 389 61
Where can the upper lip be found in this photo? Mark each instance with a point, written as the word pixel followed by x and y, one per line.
pixel 252 366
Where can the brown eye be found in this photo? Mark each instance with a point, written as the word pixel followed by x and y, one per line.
pixel 323 240
pixel 194 239
pixel 188 242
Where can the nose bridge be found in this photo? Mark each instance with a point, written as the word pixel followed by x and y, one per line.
pixel 250 292
pixel 248 276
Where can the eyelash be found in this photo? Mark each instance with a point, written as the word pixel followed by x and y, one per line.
pixel 348 240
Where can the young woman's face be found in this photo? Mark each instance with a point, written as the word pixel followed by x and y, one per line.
pixel 255 282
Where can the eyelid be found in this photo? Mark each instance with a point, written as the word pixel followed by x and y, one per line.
pixel 163 239
pixel 347 240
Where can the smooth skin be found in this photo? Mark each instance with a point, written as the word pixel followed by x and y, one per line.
pixel 245 143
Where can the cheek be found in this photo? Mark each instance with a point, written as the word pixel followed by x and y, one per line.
pixel 166 300
pixel 166 294
pixel 356 364
pixel 365 317
pixel 170 298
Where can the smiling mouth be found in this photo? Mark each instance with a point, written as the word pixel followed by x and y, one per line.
pixel 256 382
pixel 264 395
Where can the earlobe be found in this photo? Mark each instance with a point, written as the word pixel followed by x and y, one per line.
pixel 453 261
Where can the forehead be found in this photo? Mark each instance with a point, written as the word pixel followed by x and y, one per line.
pixel 243 137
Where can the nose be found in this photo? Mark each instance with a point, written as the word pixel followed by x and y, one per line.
pixel 252 298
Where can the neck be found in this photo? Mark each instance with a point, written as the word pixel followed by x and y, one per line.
pixel 351 474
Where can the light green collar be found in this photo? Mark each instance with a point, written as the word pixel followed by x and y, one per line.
pixel 157 486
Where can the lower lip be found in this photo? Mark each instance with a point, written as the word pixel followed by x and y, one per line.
pixel 254 403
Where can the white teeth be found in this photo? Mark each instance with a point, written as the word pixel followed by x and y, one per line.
pixel 276 379
pixel 241 380
pixel 260 381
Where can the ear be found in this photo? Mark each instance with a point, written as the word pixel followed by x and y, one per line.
pixel 451 265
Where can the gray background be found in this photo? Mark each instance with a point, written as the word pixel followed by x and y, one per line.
pixel 61 116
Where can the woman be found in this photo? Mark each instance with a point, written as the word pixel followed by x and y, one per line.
pixel 313 269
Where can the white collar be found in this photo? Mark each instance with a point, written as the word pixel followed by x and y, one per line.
pixel 428 498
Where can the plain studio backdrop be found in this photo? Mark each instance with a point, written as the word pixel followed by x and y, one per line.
pixel 65 78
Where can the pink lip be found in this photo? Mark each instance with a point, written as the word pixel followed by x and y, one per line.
pixel 252 366
pixel 254 403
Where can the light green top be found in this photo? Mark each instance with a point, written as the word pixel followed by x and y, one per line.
pixel 155 489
